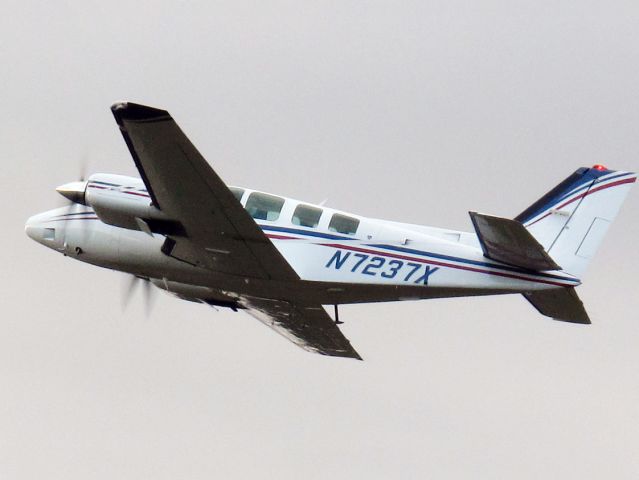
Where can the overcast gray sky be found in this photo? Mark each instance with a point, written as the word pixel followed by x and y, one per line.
pixel 412 111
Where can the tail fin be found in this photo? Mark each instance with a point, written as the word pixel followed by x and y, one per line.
pixel 571 220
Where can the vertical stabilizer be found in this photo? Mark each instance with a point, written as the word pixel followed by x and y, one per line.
pixel 571 220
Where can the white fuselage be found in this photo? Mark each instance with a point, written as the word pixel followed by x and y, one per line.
pixel 340 257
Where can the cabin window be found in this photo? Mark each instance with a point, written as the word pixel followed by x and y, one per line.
pixel 237 193
pixel 307 216
pixel 262 206
pixel 343 224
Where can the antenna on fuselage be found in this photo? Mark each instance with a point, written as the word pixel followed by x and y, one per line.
pixel 337 322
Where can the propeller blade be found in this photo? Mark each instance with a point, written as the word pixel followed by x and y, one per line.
pixel 127 292
pixel 84 161
pixel 149 297
pixel 147 292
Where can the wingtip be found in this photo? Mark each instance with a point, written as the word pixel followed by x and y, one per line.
pixel 578 321
pixel 134 111
pixel 352 354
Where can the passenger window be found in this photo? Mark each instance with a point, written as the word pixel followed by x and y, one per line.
pixel 264 207
pixel 343 224
pixel 306 216
pixel 237 193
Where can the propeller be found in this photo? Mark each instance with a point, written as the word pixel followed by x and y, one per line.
pixel 147 292
pixel 74 191
pixel 74 194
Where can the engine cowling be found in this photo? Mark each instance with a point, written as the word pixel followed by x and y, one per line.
pixel 120 201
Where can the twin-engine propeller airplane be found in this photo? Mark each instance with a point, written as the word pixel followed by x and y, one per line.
pixel 184 230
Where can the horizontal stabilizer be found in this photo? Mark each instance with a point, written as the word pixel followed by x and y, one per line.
pixel 509 242
pixel 562 304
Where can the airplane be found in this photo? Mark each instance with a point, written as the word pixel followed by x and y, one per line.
pixel 182 229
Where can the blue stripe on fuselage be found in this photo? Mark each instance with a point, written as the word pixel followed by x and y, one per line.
pixel 304 232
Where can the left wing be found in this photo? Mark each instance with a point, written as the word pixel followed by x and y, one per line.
pixel 216 232
pixel 306 325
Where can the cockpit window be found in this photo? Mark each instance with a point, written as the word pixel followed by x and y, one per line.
pixel 343 224
pixel 264 207
pixel 237 193
pixel 306 216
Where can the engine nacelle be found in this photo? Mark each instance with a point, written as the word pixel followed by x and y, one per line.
pixel 124 202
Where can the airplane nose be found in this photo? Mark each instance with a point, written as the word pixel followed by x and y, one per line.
pixel 32 231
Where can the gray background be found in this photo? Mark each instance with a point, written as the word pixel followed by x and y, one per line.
pixel 413 111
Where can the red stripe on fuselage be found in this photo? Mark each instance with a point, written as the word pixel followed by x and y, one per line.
pixel 281 237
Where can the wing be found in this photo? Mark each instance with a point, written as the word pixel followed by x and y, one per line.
pixel 215 231
pixel 306 325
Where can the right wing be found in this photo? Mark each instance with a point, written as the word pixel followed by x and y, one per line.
pixel 306 325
